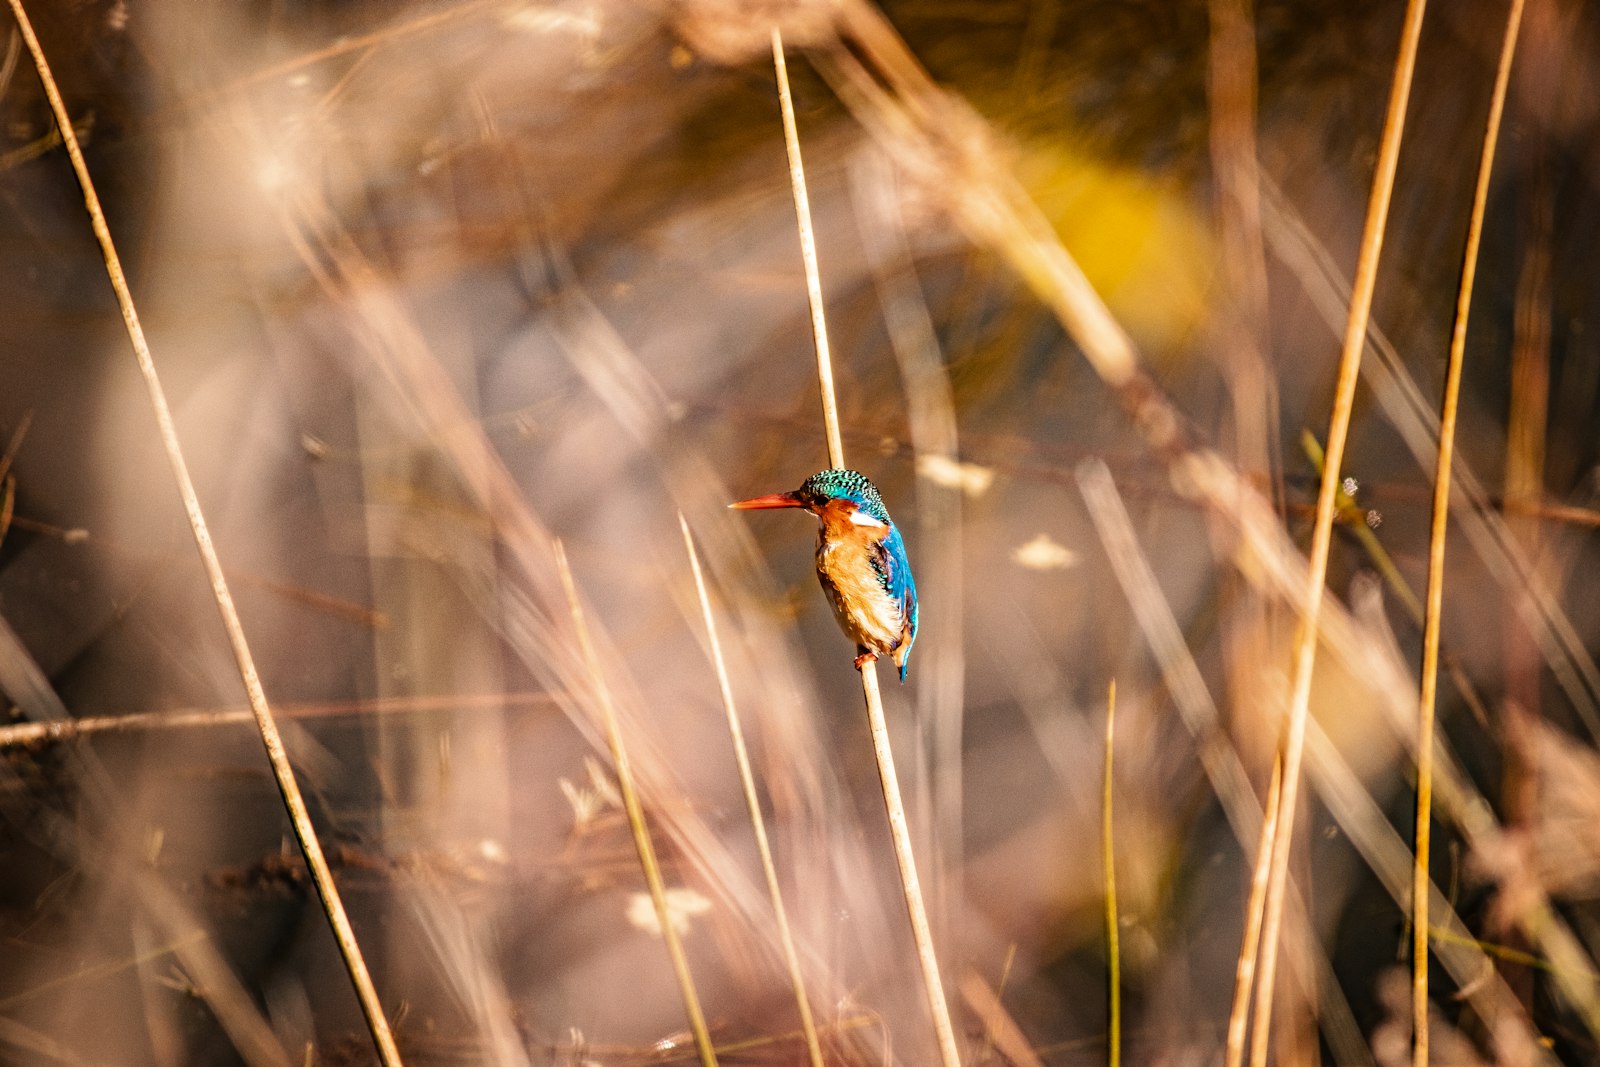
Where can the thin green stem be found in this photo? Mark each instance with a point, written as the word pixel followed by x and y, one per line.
pixel 1108 860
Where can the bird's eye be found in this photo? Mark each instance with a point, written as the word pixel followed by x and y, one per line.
pixel 861 518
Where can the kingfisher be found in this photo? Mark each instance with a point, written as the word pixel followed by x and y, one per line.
pixel 861 562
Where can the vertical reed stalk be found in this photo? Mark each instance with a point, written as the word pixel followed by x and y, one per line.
pixel 741 755
pixel 1109 862
pixel 911 886
pixel 635 813
pixel 266 724
pixel 1355 336
pixel 899 831
pixel 1436 544
pixel 1250 944
pixel 808 255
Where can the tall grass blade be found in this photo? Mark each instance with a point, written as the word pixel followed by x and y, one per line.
pixel 635 813
pixel 283 773
pixel 1108 859
pixel 1439 524
pixel 758 822
pixel 1308 636
pixel 899 830
pixel 808 254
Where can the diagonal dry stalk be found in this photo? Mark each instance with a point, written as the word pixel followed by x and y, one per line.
pixel 1436 543
pixel 59 730
pixel 894 805
pixel 1307 638
pixel 741 754
pixel 635 812
pixel 1001 1032
pixel 283 772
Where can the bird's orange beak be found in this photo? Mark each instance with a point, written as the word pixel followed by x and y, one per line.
pixel 771 500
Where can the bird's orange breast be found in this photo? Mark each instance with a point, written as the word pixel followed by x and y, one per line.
pixel 866 611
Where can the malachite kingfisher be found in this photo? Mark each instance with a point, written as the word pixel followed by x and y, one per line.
pixel 861 562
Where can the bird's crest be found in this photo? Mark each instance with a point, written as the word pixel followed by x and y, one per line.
pixel 840 484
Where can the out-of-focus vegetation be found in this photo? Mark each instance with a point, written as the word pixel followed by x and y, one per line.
pixel 435 283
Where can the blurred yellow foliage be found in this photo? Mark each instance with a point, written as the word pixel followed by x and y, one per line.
pixel 1136 235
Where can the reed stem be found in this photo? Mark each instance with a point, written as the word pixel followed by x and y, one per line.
pixel 808 255
pixel 1108 860
pixel 758 824
pixel 1306 639
pixel 266 723
pixel 635 812
pixel 1439 524
pixel 899 831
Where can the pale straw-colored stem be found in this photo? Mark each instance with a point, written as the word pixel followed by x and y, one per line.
pixel 808 255
pixel 1436 543
pixel 1306 639
pixel 294 802
pixel 899 831
pixel 60 730
pixel 1244 971
pixel 1000 1031
pixel 758 824
pixel 635 812
pixel 900 835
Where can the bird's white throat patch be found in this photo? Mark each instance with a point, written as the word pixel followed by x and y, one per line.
pixel 861 518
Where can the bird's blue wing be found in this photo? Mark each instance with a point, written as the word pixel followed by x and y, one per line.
pixel 894 571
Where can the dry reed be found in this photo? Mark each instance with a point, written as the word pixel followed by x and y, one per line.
pixel 883 752
pixel 266 724
pixel 1439 523
pixel 1108 859
pixel 636 822
pixel 472 188
pixel 1308 635
pixel 758 823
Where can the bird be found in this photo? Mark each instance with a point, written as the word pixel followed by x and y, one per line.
pixel 861 562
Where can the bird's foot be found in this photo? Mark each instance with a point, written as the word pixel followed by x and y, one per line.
pixel 865 658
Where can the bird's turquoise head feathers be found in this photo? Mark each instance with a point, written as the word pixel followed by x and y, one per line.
pixel 840 484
